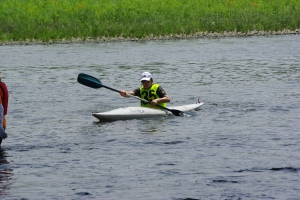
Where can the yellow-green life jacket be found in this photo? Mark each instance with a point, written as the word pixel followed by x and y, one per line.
pixel 149 95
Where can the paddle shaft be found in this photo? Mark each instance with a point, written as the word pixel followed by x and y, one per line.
pixel 144 100
pixel 110 88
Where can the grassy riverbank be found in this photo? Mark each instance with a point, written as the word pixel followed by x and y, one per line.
pixel 50 20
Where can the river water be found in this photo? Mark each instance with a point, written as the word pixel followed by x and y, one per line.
pixel 244 143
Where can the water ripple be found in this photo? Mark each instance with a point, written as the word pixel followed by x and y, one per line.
pixel 242 144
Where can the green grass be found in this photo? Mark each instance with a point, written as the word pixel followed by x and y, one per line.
pixel 57 19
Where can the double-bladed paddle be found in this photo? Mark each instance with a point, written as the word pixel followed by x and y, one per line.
pixel 95 83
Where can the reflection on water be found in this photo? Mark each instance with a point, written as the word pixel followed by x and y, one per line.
pixel 152 126
pixel 5 173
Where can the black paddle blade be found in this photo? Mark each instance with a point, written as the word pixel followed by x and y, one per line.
pixel 173 111
pixel 176 112
pixel 89 81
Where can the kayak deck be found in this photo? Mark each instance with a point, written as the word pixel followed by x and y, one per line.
pixel 128 113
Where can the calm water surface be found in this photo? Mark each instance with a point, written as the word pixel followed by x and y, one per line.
pixel 243 144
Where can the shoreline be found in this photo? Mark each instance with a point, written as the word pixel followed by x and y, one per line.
pixel 153 38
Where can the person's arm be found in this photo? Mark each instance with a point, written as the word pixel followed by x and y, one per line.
pixel 164 98
pixel 135 92
pixel 124 93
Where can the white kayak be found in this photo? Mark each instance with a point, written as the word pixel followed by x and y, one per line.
pixel 141 112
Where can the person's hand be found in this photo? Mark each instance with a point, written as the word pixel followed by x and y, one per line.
pixel 123 93
pixel 153 102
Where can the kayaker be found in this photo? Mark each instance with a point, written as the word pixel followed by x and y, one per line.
pixel 3 109
pixel 149 91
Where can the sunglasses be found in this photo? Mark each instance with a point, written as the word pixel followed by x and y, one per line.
pixel 143 81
